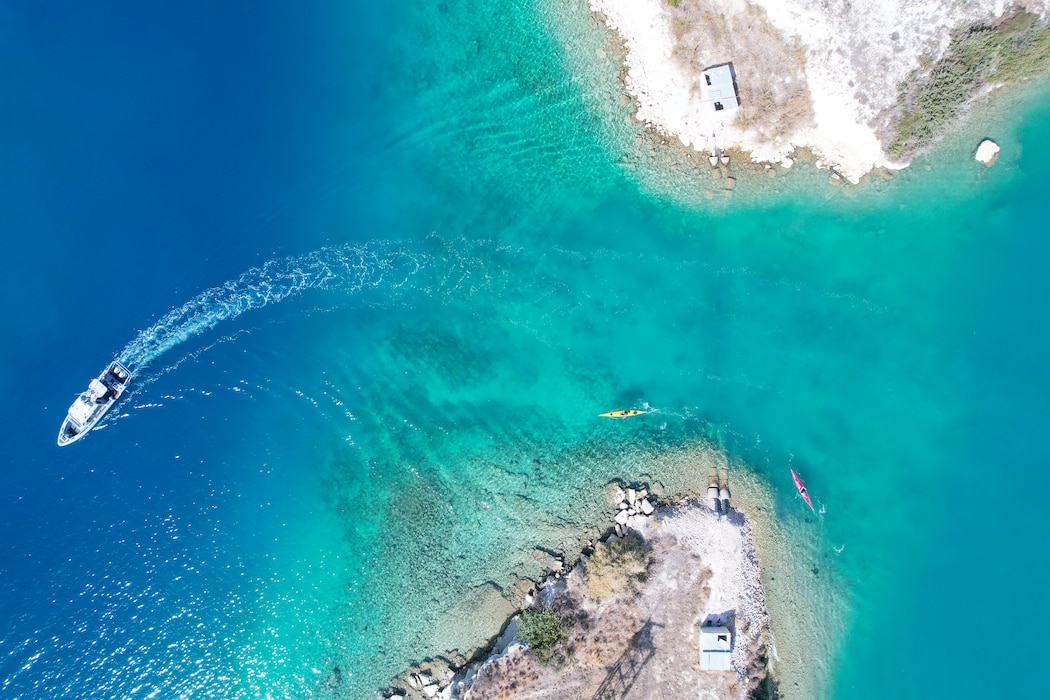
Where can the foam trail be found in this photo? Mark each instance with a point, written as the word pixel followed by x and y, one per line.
pixel 348 268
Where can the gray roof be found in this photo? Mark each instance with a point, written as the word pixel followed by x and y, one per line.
pixel 716 643
pixel 716 639
pixel 716 660
pixel 718 81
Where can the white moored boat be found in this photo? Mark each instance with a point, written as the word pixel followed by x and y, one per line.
pixel 91 405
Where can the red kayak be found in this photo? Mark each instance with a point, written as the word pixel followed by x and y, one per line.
pixel 802 490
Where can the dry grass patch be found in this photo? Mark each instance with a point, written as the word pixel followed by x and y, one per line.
pixel 617 566
pixel 770 68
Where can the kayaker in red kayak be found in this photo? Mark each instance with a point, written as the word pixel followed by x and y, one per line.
pixel 802 490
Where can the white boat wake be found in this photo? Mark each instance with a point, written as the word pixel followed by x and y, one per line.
pixel 348 268
pixel 447 268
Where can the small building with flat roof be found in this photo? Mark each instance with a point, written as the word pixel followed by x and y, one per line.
pixel 718 86
pixel 716 648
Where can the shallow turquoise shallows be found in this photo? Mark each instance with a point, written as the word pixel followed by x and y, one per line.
pixel 379 273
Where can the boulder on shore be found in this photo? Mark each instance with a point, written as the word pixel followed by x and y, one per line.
pixel 987 153
pixel 636 522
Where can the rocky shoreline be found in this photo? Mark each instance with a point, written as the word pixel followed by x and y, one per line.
pixel 700 568
pixel 804 77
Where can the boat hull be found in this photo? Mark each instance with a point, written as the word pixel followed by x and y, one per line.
pixel 802 490
pixel 92 404
pixel 622 414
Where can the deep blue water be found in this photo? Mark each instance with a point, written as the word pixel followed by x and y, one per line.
pixel 410 270
pixel 150 153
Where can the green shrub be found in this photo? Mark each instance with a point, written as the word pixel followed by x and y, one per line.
pixel 543 631
pixel 1018 48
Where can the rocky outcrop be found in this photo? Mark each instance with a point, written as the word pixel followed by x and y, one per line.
pixel 699 567
pixel 633 507
pixel 987 153
pixel 696 560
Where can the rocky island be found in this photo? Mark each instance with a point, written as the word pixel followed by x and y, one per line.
pixel 631 616
pixel 860 85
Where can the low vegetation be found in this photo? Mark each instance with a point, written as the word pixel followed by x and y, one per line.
pixel 1016 49
pixel 619 565
pixel 544 631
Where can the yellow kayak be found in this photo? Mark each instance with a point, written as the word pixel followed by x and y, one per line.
pixel 621 414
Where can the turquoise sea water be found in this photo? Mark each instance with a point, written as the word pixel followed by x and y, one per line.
pixel 405 269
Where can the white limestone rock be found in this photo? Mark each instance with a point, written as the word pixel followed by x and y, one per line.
pixel 987 153
pixel 647 507
pixel 621 517
pixel 631 496
pixel 431 690
pixel 636 522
